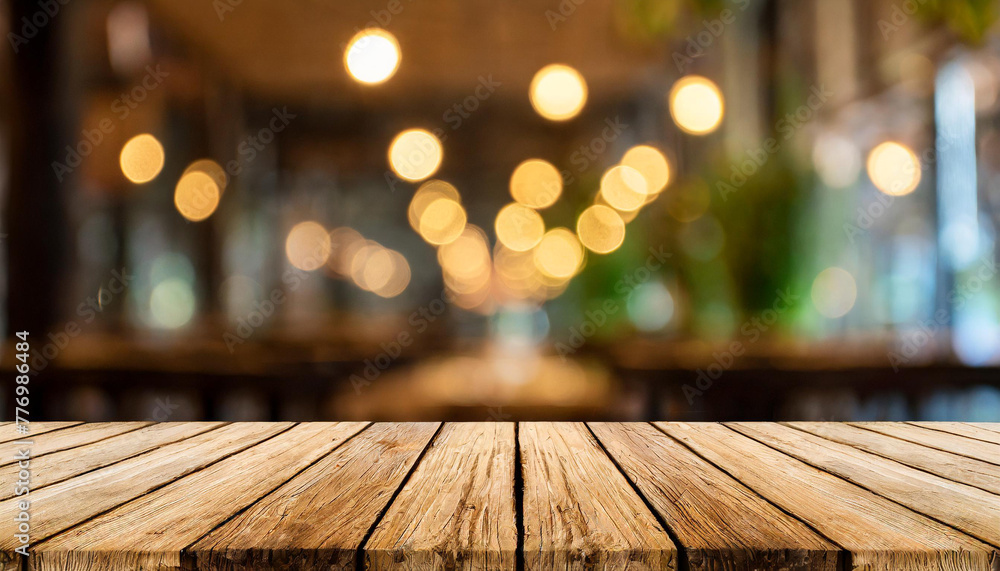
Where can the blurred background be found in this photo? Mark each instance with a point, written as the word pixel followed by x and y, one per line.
pixel 552 209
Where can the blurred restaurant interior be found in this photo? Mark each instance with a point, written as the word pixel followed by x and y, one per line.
pixel 551 209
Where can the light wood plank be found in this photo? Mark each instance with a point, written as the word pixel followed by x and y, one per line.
pixel 457 509
pixel 65 464
pixel 968 447
pixel 962 429
pixel 290 528
pixel 579 511
pixel 67 438
pixel 60 506
pixel 968 509
pixel 36 428
pixel 952 466
pixel 879 533
pixel 151 531
pixel 994 426
pixel 719 522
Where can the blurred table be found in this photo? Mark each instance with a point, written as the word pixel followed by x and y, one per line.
pixel 496 495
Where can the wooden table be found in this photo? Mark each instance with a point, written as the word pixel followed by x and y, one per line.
pixel 209 495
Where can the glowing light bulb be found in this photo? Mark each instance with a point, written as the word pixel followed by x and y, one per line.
pixel 558 92
pixel 372 56
pixel 696 105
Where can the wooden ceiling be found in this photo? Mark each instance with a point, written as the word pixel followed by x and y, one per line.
pixel 292 50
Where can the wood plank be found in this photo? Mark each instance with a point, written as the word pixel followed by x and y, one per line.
pixel 719 522
pixel 579 511
pixel 36 429
pixel 878 533
pixel 975 449
pixel 67 438
pixel 457 509
pixel 994 426
pixel 289 528
pixel 962 429
pixel 132 536
pixel 968 509
pixel 945 464
pixel 59 466
pixel 68 503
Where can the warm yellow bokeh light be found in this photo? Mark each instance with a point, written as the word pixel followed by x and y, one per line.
pixel 141 158
pixel 624 188
pixel 399 279
pixel 653 166
pixel 558 92
pixel 196 196
pixel 308 246
pixel 426 194
pixel 601 229
pixel 834 292
pixel 371 261
pixel 559 254
pixel 696 105
pixel 415 154
pixel 465 262
pixel 518 227
pixel 212 169
pixel 536 183
pixel 442 221
pixel 372 56
pixel 894 168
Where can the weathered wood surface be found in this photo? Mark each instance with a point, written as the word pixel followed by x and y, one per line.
pixel 706 497
pixel 876 532
pixel 291 527
pixel 579 511
pixel 457 509
pixel 151 531
pixel 36 428
pixel 968 509
pixel 952 466
pixel 720 523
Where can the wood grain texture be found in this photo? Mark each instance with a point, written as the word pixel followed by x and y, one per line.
pixel 579 511
pixel 65 464
pixel 968 509
pixel 457 509
pixel 291 527
pixel 878 533
pixel 132 536
pixel 962 429
pixel 719 523
pixel 971 448
pixel 68 503
pixel 66 438
pixel 945 464
pixel 9 434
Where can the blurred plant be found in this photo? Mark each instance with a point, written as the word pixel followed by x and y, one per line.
pixel 969 20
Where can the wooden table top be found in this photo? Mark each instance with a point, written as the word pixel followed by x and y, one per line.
pixel 211 495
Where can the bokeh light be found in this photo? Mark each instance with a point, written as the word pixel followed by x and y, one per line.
pixel 172 303
pixel 834 292
pixel 196 196
pixel 213 169
pixel 536 183
pixel 558 92
pixel 372 56
pixel 415 154
pixel 624 188
pixel 696 105
pixel 651 164
pixel 344 243
pixel 894 168
pixel 650 307
pixel 442 221
pixel 465 262
pixel 426 194
pixel 518 227
pixel 837 160
pixel 600 229
pixel 398 280
pixel 308 246
pixel 559 255
pixel 141 158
